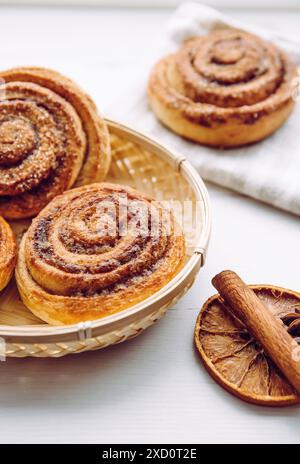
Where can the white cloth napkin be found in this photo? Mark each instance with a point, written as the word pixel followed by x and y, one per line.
pixel 268 171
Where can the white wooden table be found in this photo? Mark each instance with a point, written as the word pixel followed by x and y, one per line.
pixel 153 388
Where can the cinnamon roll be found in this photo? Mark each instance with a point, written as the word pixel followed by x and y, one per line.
pixel 226 88
pixel 8 253
pixel 51 137
pixel 97 250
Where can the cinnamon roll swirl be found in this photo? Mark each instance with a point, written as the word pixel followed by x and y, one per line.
pixel 8 253
pixel 227 88
pixel 51 136
pixel 97 250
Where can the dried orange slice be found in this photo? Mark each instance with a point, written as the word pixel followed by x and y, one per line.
pixel 235 359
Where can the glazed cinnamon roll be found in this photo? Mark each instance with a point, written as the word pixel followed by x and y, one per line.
pixel 227 88
pixel 97 250
pixel 51 136
pixel 8 253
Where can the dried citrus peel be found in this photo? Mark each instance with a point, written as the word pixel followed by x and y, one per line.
pixel 235 359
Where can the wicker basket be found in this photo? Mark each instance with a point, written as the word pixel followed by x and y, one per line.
pixel 147 166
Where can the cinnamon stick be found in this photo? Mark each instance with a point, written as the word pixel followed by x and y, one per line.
pixel 268 330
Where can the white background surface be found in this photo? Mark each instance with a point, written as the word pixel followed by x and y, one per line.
pixel 162 3
pixel 153 388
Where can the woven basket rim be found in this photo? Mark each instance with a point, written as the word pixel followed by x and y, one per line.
pixel 85 330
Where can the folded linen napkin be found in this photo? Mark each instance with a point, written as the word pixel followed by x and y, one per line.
pixel 269 170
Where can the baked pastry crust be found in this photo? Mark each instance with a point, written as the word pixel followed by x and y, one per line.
pixel 227 88
pixel 8 253
pixel 88 254
pixel 51 138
